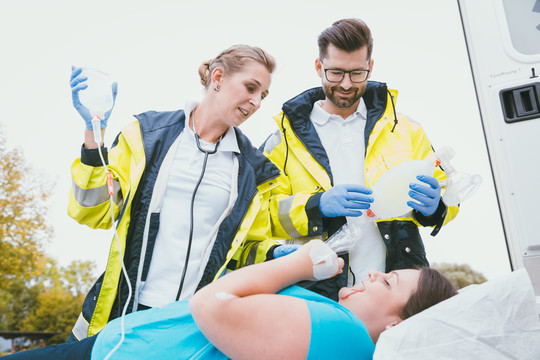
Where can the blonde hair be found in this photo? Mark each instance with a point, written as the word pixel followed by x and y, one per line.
pixel 234 59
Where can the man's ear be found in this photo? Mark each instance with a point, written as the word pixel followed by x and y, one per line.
pixel 318 67
pixel 370 68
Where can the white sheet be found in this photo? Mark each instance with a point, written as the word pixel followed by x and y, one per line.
pixel 494 320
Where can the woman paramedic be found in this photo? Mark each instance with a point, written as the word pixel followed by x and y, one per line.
pixel 188 188
pixel 240 316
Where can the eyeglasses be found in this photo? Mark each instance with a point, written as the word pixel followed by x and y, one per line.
pixel 337 75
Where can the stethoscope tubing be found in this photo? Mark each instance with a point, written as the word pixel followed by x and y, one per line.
pixel 190 239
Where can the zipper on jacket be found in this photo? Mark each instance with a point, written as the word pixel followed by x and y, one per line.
pixel 307 148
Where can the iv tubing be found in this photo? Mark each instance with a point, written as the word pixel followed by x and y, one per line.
pixel 124 271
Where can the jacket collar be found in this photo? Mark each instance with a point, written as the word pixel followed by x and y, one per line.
pixel 299 107
pixel 263 168
pixel 298 110
pixel 152 121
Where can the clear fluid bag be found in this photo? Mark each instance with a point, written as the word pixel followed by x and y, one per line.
pixel 97 97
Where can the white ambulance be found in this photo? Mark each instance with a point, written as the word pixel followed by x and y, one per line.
pixel 503 41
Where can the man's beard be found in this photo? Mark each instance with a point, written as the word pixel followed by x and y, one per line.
pixel 340 102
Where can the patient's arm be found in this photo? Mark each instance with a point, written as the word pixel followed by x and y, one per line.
pixel 241 315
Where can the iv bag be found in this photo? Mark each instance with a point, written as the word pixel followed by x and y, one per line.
pixel 97 97
pixel 391 191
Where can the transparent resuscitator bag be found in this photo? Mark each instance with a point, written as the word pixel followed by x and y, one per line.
pixel 391 193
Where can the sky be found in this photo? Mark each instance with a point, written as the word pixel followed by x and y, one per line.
pixel 153 51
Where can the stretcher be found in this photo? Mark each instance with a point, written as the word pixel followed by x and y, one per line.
pixel 494 320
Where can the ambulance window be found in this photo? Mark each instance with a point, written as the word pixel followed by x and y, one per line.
pixel 523 18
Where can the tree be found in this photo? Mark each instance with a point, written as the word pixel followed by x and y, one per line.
pixel 23 230
pixel 461 275
pixel 59 302
pixel 35 293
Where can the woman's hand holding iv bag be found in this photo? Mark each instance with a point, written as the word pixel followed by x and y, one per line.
pixel 101 108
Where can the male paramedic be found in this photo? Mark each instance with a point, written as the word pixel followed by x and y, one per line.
pixel 332 140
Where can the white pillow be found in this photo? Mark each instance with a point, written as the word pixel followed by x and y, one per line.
pixel 493 320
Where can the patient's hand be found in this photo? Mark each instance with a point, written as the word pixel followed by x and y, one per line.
pixel 320 261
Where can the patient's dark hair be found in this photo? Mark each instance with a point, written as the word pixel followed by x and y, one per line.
pixel 433 287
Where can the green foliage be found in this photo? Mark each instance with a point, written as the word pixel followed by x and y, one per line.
pixel 78 277
pixel 23 233
pixel 35 293
pixel 16 303
pixel 50 301
pixel 461 275
pixel 59 302
pixel 23 230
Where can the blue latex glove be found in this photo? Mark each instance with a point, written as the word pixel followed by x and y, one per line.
pixel 283 250
pixel 77 84
pixel 345 200
pixel 427 197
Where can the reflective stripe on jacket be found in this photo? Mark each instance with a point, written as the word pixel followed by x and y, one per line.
pixel 134 161
pixel 297 150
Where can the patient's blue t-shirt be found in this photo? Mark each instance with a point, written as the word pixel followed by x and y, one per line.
pixel 171 333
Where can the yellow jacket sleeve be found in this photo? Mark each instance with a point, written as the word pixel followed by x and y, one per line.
pixel 89 194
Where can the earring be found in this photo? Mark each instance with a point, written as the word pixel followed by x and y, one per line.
pixel 217 88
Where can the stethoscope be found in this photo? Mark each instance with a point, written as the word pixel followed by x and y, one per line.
pixel 190 239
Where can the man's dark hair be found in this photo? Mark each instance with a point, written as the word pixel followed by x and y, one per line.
pixel 347 35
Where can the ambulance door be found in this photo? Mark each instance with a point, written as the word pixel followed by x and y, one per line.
pixel 503 41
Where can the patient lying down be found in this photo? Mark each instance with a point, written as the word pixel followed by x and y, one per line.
pixel 256 312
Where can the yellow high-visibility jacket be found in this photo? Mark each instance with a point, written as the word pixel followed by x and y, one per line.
pixel 305 174
pixel 134 160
